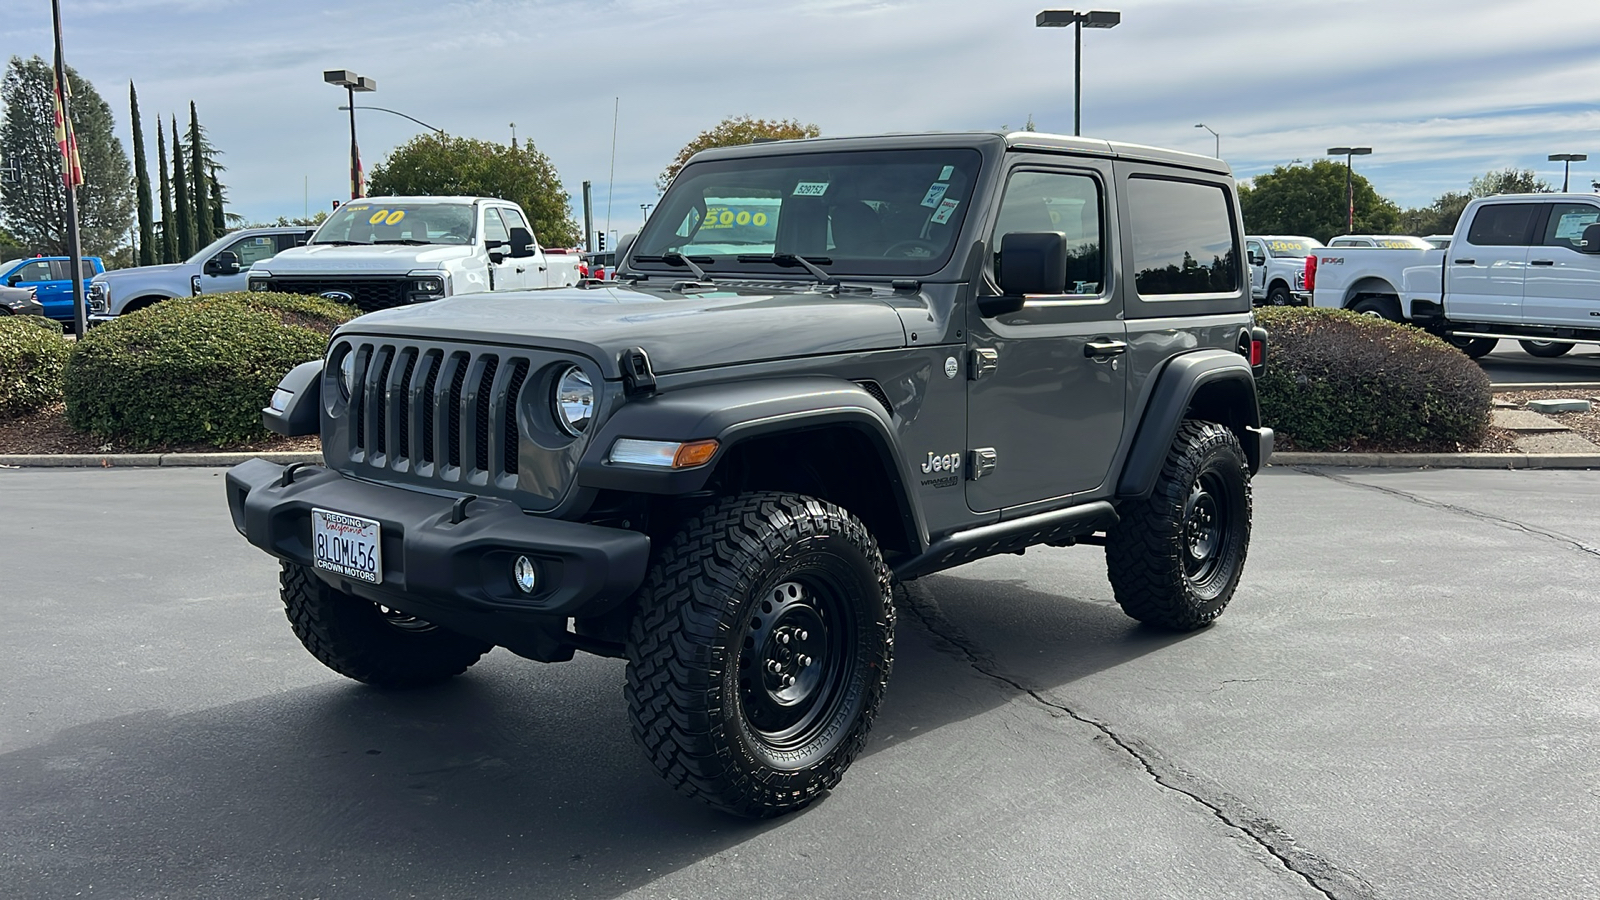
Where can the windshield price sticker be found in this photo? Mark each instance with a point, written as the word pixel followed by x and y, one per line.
pixel 386 217
pixel 1286 246
pixel 722 217
pixel 935 194
pixel 946 172
pixel 811 189
pixel 945 210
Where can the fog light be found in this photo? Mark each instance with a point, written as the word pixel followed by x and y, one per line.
pixel 527 577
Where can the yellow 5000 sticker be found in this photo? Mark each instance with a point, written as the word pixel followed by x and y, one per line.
pixel 722 217
pixel 386 217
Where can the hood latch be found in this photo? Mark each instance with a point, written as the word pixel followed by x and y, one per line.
pixel 638 380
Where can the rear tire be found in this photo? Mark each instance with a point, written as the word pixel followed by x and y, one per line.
pixel 1545 349
pixel 1474 348
pixel 360 639
pixel 760 652
pixel 1381 307
pixel 1175 557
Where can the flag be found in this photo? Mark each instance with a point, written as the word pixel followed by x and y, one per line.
pixel 358 181
pixel 71 166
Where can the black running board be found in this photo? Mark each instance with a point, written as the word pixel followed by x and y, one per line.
pixel 1061 527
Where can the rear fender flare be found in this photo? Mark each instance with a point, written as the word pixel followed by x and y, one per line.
pixel 1206 375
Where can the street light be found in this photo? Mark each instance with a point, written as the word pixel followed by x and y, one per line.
pixel 1215 135
pixel 1568 159
pixel 1061 18
pixel 645 208
pixel 401 115
pixel 1349 154
pixel 352 82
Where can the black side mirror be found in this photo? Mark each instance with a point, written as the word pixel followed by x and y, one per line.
pixel 14 279
pixel 224 263
pixel 1591 239
pixel 1029 263
pixel 521 242
pixel 1257 259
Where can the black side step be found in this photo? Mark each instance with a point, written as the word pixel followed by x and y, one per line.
pixel 1059 527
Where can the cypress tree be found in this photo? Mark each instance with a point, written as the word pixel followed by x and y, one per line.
pixel 169 227
pixel 141 173
pixel 218 220
pixel 205 230
pixel 182 197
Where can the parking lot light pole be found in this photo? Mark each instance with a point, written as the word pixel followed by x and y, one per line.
pixel 352 82
pixel 1568 159
pixel 1349 154
pixel 1215 135
pixel 1061 18
pixel 438 131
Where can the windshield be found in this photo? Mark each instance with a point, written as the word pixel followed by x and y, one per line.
pixel 1296 248
pixel 866 212
pixel 210 250
pixel 366 222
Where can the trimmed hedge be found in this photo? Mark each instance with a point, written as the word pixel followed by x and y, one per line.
pixel 32 360
pixel 195 369
pixel 1337 380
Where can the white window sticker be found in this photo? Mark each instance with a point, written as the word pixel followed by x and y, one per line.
pixel 945 210
pixel 945 174
pixel 935 194
pixel 811 189
pixel 1573 224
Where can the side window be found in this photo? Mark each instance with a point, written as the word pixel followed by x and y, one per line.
pixel 1055 201
pixel 1568 222
pixel 1183 238
pixel 494 227
pixel 1502 225
pixel 253 250
pixel 290 239
pixel 1257 253
pixel 514 219
pixel 38 271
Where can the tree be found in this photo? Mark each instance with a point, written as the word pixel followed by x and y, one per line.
pixel 442 165
pixel 1311 201
pixel 205 230
pixel 1439 217
pixel 10 247
pixel 182 197
pixel 219 219
pixel 141 174
pixel 33 205
pixel 1509 180
pixel 169 229
pixel 732 132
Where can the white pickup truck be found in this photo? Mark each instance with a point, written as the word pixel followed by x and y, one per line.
pixel 1519 266
pixel 1278 268
pixel 382 252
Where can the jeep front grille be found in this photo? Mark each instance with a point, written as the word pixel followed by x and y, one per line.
pixel 401 395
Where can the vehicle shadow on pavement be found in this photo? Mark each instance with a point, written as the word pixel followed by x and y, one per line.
pixel 515 779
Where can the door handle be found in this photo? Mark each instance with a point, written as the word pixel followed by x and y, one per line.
pixel 520 270
pixel 1542 262
pixel 1104 349
pixel 1466 262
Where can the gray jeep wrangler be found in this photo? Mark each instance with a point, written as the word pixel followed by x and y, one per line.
pixel 825 365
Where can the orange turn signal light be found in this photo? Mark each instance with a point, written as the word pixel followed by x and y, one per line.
pixel 694 453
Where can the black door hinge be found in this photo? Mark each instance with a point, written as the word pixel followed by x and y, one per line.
pixel 637 377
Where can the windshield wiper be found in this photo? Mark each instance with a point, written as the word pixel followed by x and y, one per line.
pixel 674 258
pixel 338 243
pixel 410 242
pixel 791 260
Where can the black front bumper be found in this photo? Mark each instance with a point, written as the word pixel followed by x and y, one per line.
pixel 457 574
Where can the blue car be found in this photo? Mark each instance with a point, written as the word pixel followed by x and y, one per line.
pixel 51 279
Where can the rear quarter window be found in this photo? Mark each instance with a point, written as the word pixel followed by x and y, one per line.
pixel 1183 239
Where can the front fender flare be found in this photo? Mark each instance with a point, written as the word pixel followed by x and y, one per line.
pixel 1177 385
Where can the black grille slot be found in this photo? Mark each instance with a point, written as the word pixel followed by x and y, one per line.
pixel 878 394
pixel 434 361
pixel 453 428
pixel 380 404
pixel 519 373
pixel 485 400
pixel 368 294
pixel 358 395
pixel 402 447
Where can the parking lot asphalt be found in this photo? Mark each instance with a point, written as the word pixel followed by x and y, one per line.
pixel 1508 364
pixel 1400 703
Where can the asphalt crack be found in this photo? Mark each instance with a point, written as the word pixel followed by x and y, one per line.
pixel 1491 518
pixel 1319 873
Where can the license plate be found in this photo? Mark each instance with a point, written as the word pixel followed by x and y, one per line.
pixel 346 544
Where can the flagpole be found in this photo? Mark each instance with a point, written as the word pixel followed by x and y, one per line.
pixel 80 314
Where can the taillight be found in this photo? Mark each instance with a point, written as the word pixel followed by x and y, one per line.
pixel 1258 353
pixel 1311 273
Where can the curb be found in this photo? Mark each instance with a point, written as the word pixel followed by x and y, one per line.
pixel 1545 386
pixel 1440 460
pixel 147 460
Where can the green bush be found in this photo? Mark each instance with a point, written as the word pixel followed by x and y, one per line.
pixel 1337 380
pixel 195 369
pixel 31 362
pixel 45 322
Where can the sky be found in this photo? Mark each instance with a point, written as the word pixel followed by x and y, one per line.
pixel 1442 91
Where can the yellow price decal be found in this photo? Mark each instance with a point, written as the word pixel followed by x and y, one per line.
pixel 385 217
pixel 1285 245
pixel 720 217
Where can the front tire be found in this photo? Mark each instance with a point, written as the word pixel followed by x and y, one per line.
pixel 760 652
pixel 1280 296
pixel 1175 557
pixel 360 639
pixel 1545 349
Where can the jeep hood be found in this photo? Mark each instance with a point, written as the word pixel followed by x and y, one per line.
pixel 379 259
pixel 680 332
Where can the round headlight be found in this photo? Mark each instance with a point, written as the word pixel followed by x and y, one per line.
pixel 347 373
pixel 573 401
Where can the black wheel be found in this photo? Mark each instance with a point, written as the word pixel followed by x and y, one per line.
pixel 760 652
pixel 1473 347
pixel 1545 349
pixel 1280 296
pixel 1381 307
pixel 362 640
pixel 1175 557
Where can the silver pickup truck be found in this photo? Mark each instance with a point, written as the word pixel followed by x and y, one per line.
pixel 223 265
